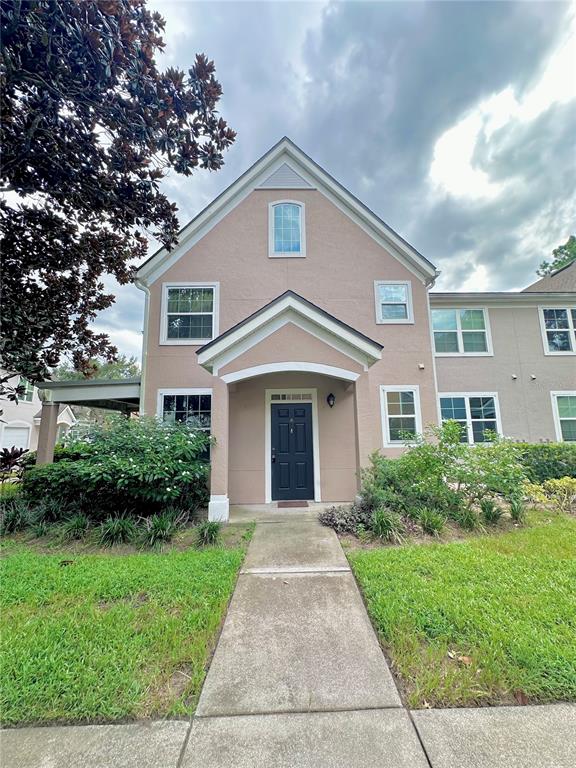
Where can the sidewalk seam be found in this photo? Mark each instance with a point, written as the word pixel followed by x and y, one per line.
pixel 284 712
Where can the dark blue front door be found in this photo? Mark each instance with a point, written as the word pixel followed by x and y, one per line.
pixel 292 455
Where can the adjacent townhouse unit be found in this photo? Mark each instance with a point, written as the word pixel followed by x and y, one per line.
pixel 300 330
pixel 20 421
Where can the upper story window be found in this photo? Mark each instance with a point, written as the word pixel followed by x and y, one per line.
pixel 28 394
pixel 189 313
pixel 393 301
pixel 461 332
pixel 477 414
pixel 559 330
pixel 286 229
pixel 565 415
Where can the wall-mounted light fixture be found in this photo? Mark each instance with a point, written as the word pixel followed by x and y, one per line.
pixel 533 377
pixel 331 399
pixel 421 366
pixel 514 377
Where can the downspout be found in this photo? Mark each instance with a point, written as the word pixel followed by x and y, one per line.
pixel 143 287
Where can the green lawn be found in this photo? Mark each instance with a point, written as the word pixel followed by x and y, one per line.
pixel 102 637
pixel 486 621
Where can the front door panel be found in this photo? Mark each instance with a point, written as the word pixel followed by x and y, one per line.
pixel 292 453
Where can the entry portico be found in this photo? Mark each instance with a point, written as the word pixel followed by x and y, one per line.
pixel 287 406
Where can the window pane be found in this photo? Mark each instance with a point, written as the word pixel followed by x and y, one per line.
pixel 559 341
pixel 189 326
pixel 399 426
pixel 394 312
pixel 287 228
pixel 400 403
pixel 474 341
pixel 568 429
pixel 567 406
pixel 393 293
pixel 444 319
pixel 479 428
pixel 573 311
pixel 453 408
pixel 482 408
pixel 472 319
pixel 556 318
pixel 446 341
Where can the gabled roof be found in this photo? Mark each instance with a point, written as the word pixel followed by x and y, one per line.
pixel 289 307
pixel 561 281
pixel 286 163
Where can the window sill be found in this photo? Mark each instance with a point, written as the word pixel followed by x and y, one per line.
pixel 463 354
pixel 560 354
pixel 184 342
pixel 408 321
pixel 286 255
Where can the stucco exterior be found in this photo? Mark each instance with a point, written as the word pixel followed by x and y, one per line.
pixel 327 337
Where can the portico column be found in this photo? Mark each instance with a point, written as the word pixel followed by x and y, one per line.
pixel 218 507
pixel 48 433
pixel 364 418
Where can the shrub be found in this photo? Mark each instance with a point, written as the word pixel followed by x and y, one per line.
pixel 432 522
pixel 347 517
pixel 387 524
pixel 159 529
pixel 561 492
pixel 491 512
pixel 74 527
pixel 138 465
pixel 15 515
pixel 207 533
pixel 40 529
pixel 548 461
pixel 517 509
pixel 117 530
pixel 468 519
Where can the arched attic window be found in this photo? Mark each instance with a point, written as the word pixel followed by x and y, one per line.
pixel 287 236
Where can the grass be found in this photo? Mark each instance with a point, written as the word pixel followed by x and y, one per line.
pixel 102 637
pixel 491 620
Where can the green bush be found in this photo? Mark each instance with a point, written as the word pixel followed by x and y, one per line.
pixel 431 521
pixel 517 509
pixel 387 524
pixel 74 527
pixel 491 512
pixel 208 533
pixel 117 530
pixel 548 461
pixel 138 465
pixel 15 515
pixel 347 517
pixel 160 529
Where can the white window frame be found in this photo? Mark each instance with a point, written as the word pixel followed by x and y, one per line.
pixel 571 330
pixel 557 425
pixel 272 254
pixel 313 392
pixel 164 340
pixel 29 388
pixel 467 396
pixel 384 389
pixel 17 424
pixel 182 391
pixel 489 352
pixel 378 304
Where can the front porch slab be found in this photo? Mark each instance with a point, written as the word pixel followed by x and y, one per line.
pixel 294 546
pixel 368 739
pixel 297 643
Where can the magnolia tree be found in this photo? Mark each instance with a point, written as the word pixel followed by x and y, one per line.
pixel 90 126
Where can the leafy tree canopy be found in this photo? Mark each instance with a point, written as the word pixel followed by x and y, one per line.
pixel 123 367
pixel 563 255
pixel 89 128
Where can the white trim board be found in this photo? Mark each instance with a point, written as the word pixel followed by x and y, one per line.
pixel 286 152
pixel 268 437
pixel 261 370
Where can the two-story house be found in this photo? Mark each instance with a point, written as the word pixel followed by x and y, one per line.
pixel 301 330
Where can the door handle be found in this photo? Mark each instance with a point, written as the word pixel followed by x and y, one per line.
pixel 273 458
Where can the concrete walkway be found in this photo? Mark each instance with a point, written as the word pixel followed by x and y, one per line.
pixel 298 680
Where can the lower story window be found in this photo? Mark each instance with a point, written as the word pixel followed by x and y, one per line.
pixel 193 409
pixel 565 415
pixel 400 414
pixel 477 414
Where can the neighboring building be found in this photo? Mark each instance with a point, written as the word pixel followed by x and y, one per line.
pixel 20 422
pixel 298 328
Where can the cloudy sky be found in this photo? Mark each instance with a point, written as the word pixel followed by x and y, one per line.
pixel 454 121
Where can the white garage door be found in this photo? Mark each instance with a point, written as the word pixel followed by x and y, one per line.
pixel 17 436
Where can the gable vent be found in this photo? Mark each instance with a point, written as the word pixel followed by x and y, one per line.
pixel 285 178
